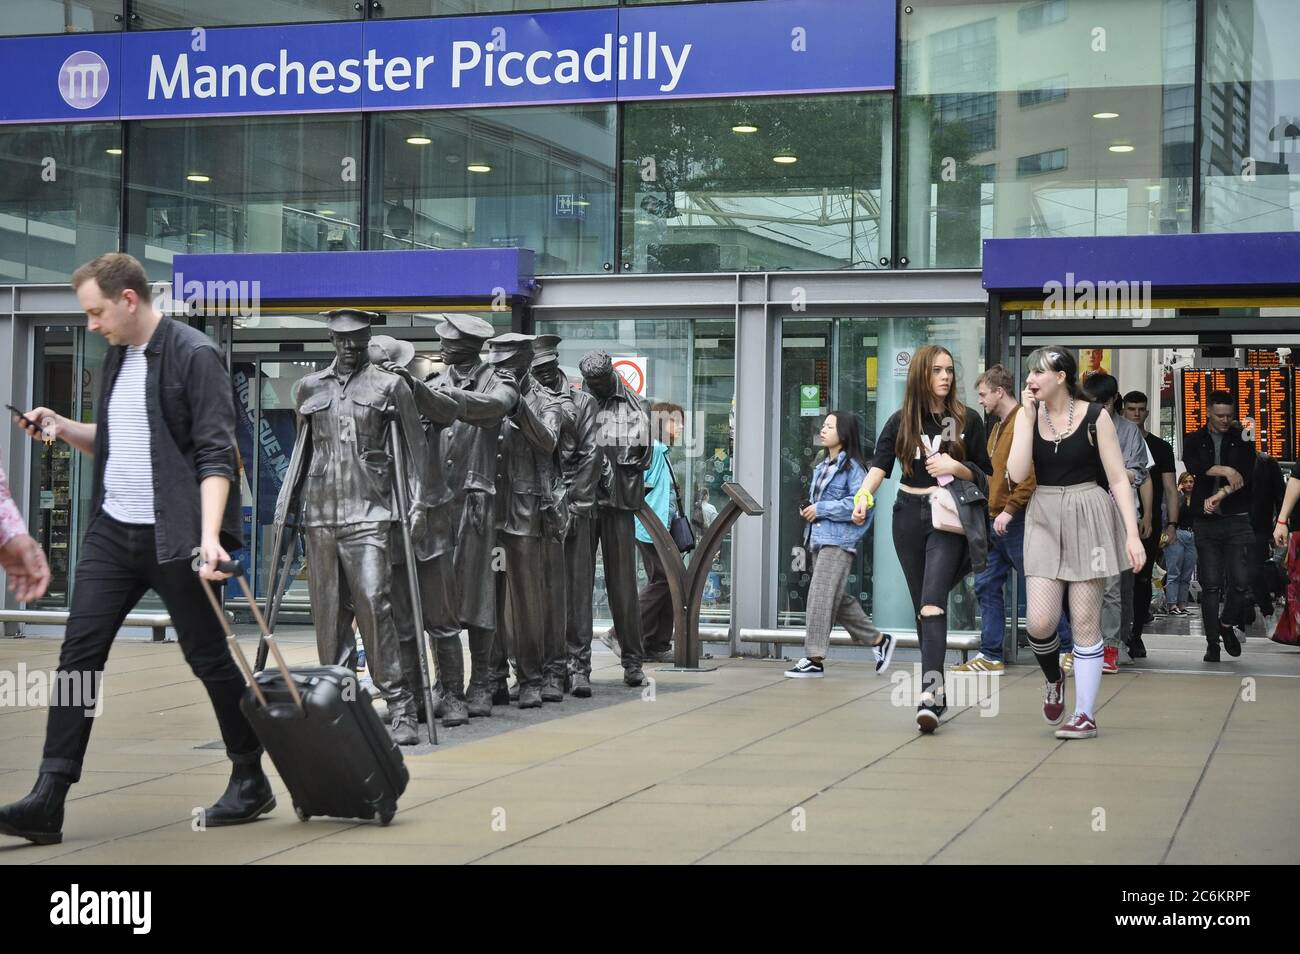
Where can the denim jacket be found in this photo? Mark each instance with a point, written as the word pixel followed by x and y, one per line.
pixel 834 526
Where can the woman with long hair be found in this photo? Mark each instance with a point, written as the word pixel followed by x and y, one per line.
pixel 832 538
pixel 1180 554
pixel 1076 534
pixel 934 438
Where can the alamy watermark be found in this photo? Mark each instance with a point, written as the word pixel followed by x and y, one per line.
pixel 212 298
pixel 979 689
pixel 1111 299
pixel 23 687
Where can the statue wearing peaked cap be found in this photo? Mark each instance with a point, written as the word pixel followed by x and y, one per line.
pixel 471 456
pixel 342 476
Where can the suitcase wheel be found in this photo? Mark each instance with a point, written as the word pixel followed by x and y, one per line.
pixel 302 815
pixel 386 816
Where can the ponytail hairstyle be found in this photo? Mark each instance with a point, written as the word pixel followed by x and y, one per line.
pixel 1054 358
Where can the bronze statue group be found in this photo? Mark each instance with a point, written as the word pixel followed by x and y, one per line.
pixel 499 479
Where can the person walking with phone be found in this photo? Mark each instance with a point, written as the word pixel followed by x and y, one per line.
pixel 165 504
pixel 936 441
pixel 831 537
pixel 1076 536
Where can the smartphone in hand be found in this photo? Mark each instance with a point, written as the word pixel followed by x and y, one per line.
pixel 27 423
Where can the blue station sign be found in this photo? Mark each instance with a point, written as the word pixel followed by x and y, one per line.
pixel 745 48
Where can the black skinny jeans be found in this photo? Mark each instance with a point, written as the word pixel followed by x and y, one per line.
pixel 1222 565
pixel 119 565
pixel 931 561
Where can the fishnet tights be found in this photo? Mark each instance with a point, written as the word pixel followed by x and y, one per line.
pixel 1043 605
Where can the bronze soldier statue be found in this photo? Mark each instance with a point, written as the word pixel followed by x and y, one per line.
pixel 342 467
pixel 438 409
pixel 623 435
pixel 471 455
pixel 533 518
pixel 569 652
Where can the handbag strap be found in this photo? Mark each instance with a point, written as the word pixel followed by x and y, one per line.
pixel 677 491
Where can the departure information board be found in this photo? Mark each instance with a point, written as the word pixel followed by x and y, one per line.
pixel 1268 397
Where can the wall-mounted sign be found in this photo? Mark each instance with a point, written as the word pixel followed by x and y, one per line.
pixel 635 372
pixel 749 47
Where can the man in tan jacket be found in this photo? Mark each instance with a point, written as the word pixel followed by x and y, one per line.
pixel 1007 503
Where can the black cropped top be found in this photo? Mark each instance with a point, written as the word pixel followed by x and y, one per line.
pixel 972 436
pixel 1076 460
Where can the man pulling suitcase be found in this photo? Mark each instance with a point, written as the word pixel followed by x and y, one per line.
pixel 165 497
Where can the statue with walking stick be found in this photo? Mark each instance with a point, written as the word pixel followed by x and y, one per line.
pixel 355 486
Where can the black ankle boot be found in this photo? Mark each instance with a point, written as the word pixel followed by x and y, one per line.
pixel 39 816
pixel 247 796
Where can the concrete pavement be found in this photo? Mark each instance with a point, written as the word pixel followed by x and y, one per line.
pixel 1195 764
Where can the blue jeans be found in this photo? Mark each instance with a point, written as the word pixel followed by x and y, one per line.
pixel 1180 565
pixel 1006 553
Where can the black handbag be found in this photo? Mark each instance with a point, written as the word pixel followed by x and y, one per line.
pixel 679 527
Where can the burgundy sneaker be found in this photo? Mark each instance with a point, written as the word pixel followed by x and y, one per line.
pixel 1080 726
pixel 1054 701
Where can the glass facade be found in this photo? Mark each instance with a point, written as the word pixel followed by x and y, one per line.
pixel 691 363
pixel 756 184
pixel 1250 117
pixel 184 14
pixel 248 184
pixel 441 8
pixel 60 188
pixel 1062 117
pixel 19 17
pixel 851 364
pixel 539 178
pixel 1011 118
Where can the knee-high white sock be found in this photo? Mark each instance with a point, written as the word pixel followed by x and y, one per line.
pixel 1088 661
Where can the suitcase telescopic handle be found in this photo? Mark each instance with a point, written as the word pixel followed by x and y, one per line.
pixel 236 569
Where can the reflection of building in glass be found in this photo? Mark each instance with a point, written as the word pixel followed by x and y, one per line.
pixel 1250 144
pixel 1038 121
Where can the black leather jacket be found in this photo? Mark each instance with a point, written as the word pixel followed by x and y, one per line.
pixel 972 498
pixel 191 406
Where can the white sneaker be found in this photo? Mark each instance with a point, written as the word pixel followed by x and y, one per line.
pixel 805 669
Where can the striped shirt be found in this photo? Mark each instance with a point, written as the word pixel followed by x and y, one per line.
pixel 128 473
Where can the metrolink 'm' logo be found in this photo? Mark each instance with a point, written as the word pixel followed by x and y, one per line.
pixel 83 79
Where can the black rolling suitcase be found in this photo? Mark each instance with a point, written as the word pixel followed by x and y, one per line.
pixel 321 731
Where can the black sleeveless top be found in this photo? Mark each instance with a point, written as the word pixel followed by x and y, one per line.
pixel 1075 461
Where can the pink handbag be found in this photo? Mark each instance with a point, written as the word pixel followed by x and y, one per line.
pixel 944 514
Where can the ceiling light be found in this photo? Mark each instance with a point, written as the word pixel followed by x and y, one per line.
pixel 1105 115
pixel 479 167
pixel 744 128
pixel 198 177
pixel 418 140
pixel 114 151
pixel 1120 147
pixel 785 159
pixel 328 212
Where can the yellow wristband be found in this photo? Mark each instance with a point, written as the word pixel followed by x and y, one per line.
pixel 864 495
